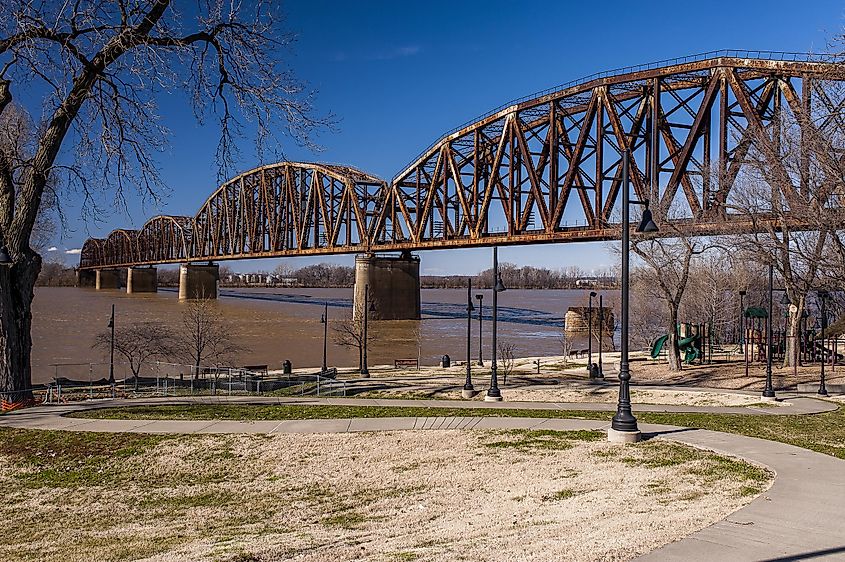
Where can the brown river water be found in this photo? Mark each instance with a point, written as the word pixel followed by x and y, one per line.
pixel 277 324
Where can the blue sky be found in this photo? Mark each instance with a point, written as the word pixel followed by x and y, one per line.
pixel 400 74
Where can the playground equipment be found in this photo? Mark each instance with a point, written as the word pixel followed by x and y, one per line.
pixel 810 347
pixel 693 342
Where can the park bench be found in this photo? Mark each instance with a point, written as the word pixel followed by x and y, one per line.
pixel 329 373
pixel 256 369
pixel 397 363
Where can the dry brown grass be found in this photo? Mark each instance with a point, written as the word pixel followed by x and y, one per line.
pixel 433 495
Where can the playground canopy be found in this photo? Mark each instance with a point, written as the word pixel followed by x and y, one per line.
pixel 756 312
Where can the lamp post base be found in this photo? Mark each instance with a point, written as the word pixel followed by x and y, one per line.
pixel 468 393
pixel 616 436
pixel 772 398
pixel 488 398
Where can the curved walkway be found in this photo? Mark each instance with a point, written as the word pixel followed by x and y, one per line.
pixel 798 518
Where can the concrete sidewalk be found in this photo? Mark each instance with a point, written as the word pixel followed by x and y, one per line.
pixel 799 517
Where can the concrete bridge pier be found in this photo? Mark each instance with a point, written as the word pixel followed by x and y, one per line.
pixel 107 279
pixel 86 278
pixel 394 283
pixel 141 280
pixel 198 281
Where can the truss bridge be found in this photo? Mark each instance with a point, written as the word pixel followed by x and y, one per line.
pixel 547 168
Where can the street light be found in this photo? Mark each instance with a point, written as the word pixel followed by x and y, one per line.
pixel 324 320
pixel 111 353
pixel 823 301
pixel 493 393
pixel 769 391
pixel 468 388
pixel 742 294
pixel 591 372
pixel 368 307
pixel 624 420
pixel 600 369
pixel 480 298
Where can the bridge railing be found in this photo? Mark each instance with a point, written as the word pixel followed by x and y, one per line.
pixel 708 55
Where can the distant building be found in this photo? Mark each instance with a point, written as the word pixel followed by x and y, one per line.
pixel 595 282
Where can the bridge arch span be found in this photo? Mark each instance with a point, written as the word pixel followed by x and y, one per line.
pixel 165 238
pixel 289 207
pixel 546 168
pixel 121 247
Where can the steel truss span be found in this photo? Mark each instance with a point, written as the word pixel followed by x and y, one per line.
pixel 545 169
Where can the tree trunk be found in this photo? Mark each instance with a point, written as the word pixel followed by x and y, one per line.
pixel 673 352
pixel 16 293
pixel 793 333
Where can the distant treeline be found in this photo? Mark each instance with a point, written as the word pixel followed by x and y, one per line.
pixel 54 274
pixel 526 277
pixel 329 275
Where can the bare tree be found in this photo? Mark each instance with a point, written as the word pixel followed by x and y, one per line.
pixel 507 359
pixel 349 332
pixel 668 264
pixel 139 343
pixel 791 193
pixel 204 336
pixel 566 344
pixel 97 67
pixel 646 322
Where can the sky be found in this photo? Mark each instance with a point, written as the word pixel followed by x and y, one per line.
pixel 398 75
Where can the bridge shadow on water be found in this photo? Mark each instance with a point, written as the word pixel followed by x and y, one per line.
pixel 512 315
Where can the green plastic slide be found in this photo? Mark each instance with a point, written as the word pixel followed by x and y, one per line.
pixel 689 346
pixel 657 346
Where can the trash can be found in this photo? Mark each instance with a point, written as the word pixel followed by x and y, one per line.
pixel 287 367
pixel 445 361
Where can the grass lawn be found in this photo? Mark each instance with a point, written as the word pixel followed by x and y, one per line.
pixel 377 497
pixel 824 433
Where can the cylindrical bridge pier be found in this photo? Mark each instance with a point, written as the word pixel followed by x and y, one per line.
pixel 107 279
pixel 198 281
pixel 141 280
pixel 394 284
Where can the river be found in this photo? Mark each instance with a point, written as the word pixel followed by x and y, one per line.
pixel 277 324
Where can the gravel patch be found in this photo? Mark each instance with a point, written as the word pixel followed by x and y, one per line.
pixel 433 495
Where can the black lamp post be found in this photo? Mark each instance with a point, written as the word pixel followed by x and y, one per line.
pixel 600 371
pixel 785 303
pixel 324 320
pixel 769 391
pixel 493 393
pixel 591 372
pixel 468 388
pixel 365 372
pixel 823 302
pixel 480 298
pixel 742 318
pixel 624 420
pixel 111 351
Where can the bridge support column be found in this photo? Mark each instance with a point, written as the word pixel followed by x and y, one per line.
pixel 107 279
pixel 394 286
pixel 141 280
pixel 198 281
pixel 86 278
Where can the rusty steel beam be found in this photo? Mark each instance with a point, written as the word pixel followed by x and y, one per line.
pixel 508 178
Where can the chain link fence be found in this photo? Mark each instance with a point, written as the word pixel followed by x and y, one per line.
pixel 90 381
